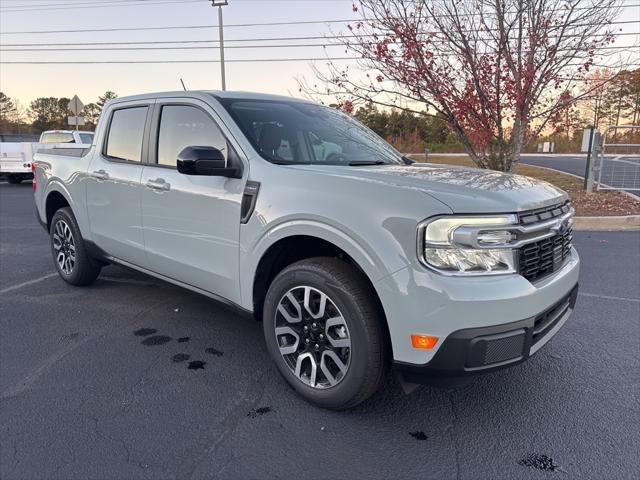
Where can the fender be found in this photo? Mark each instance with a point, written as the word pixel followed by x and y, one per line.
pixel 54 184
pixel 341 236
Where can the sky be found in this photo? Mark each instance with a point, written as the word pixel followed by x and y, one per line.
pixel 26 82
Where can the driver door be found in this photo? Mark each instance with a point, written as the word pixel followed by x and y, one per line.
pixel 191 223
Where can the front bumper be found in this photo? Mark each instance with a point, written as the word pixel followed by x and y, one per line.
pixel 479 350
pixel 418 301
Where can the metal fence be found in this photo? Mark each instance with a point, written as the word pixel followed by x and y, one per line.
pixel 618 165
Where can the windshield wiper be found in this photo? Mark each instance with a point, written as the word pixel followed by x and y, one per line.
pixel 356 163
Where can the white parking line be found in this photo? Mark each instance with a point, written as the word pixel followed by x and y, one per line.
pixel 618 160
pixel 26 284
pixel 609 297
pixel 20 227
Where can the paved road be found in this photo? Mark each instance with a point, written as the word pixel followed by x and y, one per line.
pixel 618 171
pixel 90 386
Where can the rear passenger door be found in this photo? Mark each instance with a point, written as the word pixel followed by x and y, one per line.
pixel 191 223
pixel 113 184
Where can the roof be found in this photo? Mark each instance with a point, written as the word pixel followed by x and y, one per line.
pixel 215 93
pixel 68 131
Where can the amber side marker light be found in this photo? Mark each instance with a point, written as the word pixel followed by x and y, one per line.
pixel 423 341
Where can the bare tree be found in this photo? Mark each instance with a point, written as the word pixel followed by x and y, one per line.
pixel 498 71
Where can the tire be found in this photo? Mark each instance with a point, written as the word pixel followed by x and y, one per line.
pixel 15 178
pixel 350 315
pixel 70 255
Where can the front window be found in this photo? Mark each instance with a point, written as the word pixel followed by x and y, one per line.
pixel 304 133
pixel 185 126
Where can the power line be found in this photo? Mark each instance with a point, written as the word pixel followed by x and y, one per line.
pixel 295 45
pixel 125 3
pixel 91 2
pixel 263 39
pixel 68 2
pixel 264 24
pixel 140 3
pixel 81 62
pixel 72 3
pixel 309 59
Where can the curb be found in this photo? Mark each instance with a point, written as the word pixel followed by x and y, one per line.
pixel 620 223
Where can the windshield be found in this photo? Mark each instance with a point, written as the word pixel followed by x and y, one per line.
pixel 303 133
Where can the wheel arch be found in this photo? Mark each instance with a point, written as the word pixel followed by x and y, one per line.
pixel 55 200
pixel 297 246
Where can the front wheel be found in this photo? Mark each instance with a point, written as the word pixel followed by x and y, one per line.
pixel 324 330
pixel 70 256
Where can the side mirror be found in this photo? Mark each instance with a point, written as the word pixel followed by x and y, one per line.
pixel 206 161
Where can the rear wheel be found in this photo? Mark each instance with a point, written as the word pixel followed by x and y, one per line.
pixel 324 331
pixel 15 178
pixel 69 253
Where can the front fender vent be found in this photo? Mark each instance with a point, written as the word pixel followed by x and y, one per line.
pixel 249 198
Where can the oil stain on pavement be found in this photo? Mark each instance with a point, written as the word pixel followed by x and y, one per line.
pixel 196 365
pixel 259 411
pixel 213 351
pixel 144 332
pixel 541 462
pixel 71 336
pixel 180 357
pixel 418 435
pixel 156 340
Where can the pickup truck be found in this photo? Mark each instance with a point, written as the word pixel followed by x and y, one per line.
pixel 356 260
pixel 16 158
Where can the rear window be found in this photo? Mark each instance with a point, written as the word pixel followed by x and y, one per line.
pixel 126 131
pixel 56 137
pixel 86 138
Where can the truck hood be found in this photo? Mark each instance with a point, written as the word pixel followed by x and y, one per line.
pixel 464 190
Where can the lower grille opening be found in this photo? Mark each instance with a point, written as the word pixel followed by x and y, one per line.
pixel 546 321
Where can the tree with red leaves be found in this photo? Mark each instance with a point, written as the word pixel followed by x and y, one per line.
pixel 497 71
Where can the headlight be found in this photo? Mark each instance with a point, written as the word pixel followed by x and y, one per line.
pixel 446 244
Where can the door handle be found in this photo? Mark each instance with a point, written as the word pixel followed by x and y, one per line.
pixel 159 184
pixel 100 175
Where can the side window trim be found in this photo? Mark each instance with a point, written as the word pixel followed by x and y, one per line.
pixel 145 135
pixel 154 137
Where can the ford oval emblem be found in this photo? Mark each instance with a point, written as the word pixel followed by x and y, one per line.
pixel 561 227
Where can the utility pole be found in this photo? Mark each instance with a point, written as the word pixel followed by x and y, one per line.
pixel 220 4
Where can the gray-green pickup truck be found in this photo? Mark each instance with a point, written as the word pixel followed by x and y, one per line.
pixel 355 260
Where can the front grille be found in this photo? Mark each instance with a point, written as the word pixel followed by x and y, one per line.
pixel 543 214
pixel 539 259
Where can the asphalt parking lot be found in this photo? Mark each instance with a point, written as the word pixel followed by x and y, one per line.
pixel 134 378
pixel 619 171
